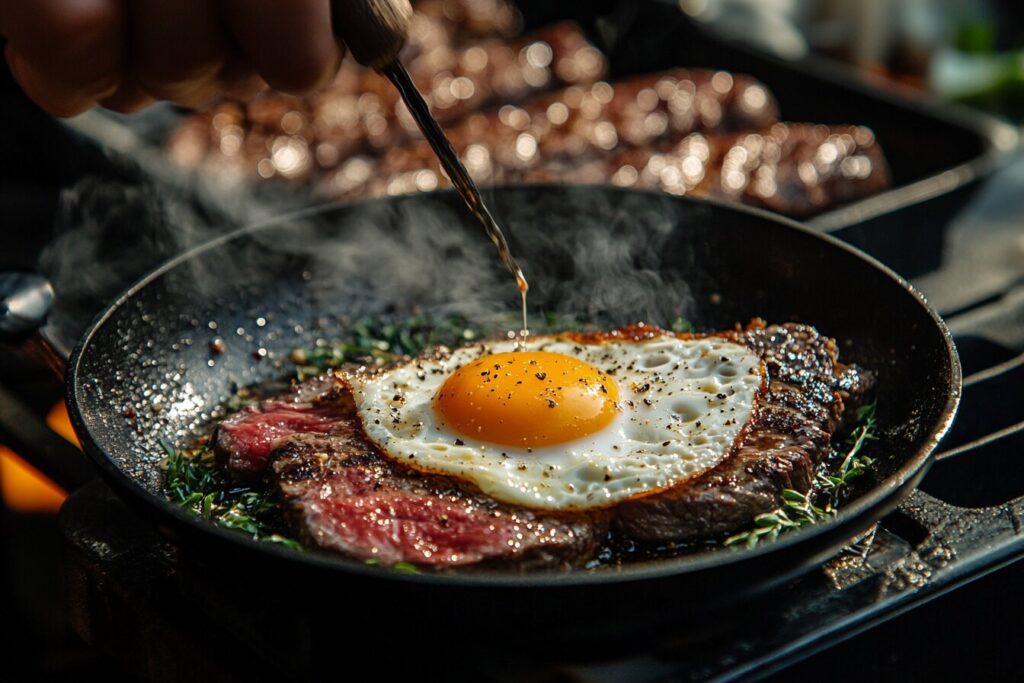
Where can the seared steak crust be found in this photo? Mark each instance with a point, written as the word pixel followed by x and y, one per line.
pixel 780 447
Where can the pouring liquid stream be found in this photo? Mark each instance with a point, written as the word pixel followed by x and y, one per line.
pixel 457 172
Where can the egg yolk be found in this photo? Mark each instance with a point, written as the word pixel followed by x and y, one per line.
pixel 527 398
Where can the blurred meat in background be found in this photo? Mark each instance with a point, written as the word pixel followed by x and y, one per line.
pixel 533 107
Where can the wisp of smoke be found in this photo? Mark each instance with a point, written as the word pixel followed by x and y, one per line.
pixel 111 231
pixel 595 254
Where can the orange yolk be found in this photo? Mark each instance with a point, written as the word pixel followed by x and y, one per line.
pixel 527 398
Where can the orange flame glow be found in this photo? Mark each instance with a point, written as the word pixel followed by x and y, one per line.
pixel 22 487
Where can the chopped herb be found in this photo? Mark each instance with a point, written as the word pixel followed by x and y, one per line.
pixel 283 540
pixel 403 567
pixel 195 483
pixel 377 341
pixel 821 502
pixel 681 325
pixel 239 401
pixel 552 321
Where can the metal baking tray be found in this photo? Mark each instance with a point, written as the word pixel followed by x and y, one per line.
pixel 939 153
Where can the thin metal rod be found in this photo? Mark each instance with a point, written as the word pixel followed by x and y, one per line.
pixel 453 166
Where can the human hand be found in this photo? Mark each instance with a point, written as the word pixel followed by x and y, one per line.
pixel 70 55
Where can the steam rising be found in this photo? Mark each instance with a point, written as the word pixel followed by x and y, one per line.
pixel 597 256
pixel 592 253
pixel 615 244
pixel 112 232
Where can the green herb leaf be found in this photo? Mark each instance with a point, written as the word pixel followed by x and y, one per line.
pixel 377 342
pixel 792 496
pixel 283 540
pixel 194 483
pixel 800 509
pixel 681 325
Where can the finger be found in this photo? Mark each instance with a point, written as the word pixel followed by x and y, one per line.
pixel 239 81
pixel 69 53
pixel 130 97
pixel 177 49
pixel 53 99
pixel 288 42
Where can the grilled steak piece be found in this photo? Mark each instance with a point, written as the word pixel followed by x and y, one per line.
pixel 346 498
pixel 244 441
pixel 790 168
pixel 572 134
pixel 780 447
pixel 291 138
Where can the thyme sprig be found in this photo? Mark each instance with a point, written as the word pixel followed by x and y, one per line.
pixel 821 502
pixel 854 463
pixel 195 483
pixel 797 511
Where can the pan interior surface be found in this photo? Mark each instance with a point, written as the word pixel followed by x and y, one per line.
pixel 145 370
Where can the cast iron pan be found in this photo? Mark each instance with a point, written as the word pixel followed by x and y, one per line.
pixel 144 371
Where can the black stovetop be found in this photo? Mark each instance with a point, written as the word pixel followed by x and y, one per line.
pixel 930 592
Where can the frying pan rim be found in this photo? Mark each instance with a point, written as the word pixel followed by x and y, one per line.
pixel 876 497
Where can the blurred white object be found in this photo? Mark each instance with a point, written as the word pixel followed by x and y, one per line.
pixel 770 25
pixel 955 74
pixel 864 32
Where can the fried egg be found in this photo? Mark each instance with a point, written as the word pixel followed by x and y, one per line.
pixel 565 422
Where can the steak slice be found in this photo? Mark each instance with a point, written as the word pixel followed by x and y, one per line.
pixel 341 495
pixel 346 498
pixel 779 448
pixel 243 442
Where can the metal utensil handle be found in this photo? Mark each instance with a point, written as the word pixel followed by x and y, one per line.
pixel 25 301
pixel 374 30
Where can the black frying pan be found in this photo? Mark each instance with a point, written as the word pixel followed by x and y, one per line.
pixel 144 371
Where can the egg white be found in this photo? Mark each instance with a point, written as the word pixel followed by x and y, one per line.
pixel 682 404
